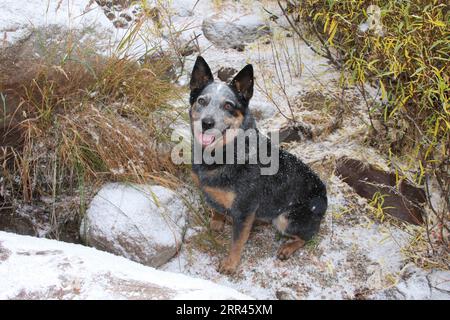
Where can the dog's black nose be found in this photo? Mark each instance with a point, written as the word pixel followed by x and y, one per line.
pixel 207 123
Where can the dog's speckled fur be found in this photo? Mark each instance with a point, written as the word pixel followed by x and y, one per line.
pixel 294 199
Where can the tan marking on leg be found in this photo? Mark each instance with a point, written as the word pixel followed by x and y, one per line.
pixel 281 222
pixel 230 263
pixel 289 247
pixel 195 179
pixel 222 197
pixel 217 221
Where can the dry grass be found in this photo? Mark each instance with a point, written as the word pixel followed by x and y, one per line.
pixel 73 120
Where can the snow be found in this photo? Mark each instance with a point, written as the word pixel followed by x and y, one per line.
pixel 343 263
pixel 16 18
pixel 42 268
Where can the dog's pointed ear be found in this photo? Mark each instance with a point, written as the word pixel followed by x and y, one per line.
pixel 243 82
pixel 201 74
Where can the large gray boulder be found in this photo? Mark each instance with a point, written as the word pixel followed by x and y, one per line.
pixel 140 222
pixel 225 32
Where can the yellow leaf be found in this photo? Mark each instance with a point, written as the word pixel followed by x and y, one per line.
pixel 437 23
pixel 383 91
pixel 326 24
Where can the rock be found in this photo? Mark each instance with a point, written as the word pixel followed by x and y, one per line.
pixel 120 23
pixel 24 219
pixel 404 203
pixel 187 50
pixel 4 253
pixel 262 109
pixel 415 287
pixel 126 16
pixel 283 294
pixel 110 15
pixel 295 132
pixel 226 73
pixel 440 280
pixel 239 47
pixel 12 222
pixel 419 284
pixel 140 222
pixel 35 219
pixel 184 8
pixel 224 32
pixel 33 268
pixel 170 62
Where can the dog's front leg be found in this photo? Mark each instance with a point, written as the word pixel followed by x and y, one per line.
pixel 241 231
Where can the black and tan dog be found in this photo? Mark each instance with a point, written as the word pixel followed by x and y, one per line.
pixel 294 198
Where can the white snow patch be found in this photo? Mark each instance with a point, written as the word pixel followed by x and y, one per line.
pixel 17 17
pixel 42 268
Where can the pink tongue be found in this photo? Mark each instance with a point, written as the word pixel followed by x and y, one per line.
pixel 206 139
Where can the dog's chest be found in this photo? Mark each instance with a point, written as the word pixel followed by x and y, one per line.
pixel 220 197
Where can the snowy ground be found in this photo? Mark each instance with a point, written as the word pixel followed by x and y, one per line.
pixel 32 268
pixel 16 19
pixel 354 256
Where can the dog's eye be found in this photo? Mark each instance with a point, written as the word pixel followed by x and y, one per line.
pixel 201 101
pixel 228 107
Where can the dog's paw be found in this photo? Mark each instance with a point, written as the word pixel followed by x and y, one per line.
pixel 283 254
pixel 288 249
pixel 228 266
pixel 217 225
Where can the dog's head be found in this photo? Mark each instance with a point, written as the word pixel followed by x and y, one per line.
pixel 218 109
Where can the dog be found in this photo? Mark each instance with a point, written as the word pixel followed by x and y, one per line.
pixel 294 198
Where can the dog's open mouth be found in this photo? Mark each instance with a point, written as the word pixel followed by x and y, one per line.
pixel 206 139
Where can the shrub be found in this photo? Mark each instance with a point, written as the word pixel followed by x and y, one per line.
pixel 403 48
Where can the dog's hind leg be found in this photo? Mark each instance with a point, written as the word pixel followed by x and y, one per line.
pixel 284 225
pixel 241 232
pixel 301 225
pixel 217 221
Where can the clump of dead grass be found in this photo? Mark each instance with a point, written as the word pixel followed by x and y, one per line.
pixel 72 121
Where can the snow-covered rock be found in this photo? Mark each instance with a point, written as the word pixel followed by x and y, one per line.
pixel 33 268
pixel 140 222
pixel 419 284
pixel 262 109
pixel 17 20
pixel 226 32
